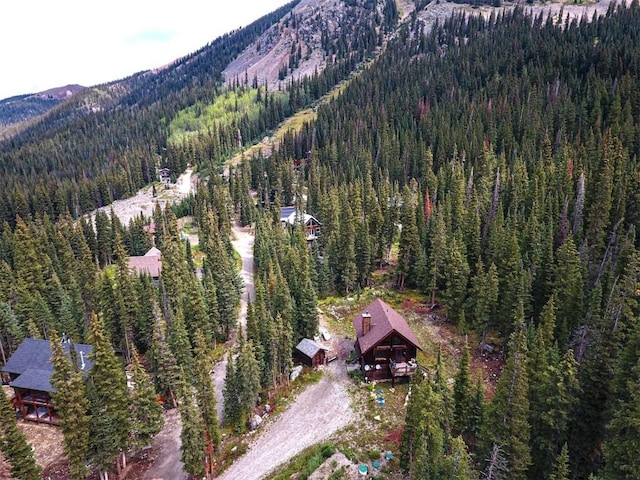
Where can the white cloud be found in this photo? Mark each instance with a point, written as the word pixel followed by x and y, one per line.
pixel 46 44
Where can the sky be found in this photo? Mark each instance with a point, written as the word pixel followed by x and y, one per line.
pixel 46 44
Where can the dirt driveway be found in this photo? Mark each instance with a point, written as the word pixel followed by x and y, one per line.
pixel 167 464
pixel 318 412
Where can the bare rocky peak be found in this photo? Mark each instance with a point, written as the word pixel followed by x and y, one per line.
pixel 297 45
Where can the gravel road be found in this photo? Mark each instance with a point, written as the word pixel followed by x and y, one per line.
pixel 317 413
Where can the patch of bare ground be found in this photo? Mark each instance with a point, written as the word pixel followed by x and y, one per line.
pixel 143 202
pixel 163 458
pixel 339 464
pixel 441 332
pixel 264 59
pixel 318 412
pixel 46 441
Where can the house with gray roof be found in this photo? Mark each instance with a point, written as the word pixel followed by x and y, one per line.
pixel 290 217
pixel 311 353
pixel 29 371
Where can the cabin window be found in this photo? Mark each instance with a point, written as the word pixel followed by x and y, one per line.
pixel 381 354
pixel 400 354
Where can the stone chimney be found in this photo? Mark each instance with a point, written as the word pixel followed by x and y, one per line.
pixel 366 322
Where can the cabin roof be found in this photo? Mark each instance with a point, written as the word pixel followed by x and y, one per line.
pixel 384 321
pixel 150 263
pixel 310 347
pixel 290 214
pixel 32 363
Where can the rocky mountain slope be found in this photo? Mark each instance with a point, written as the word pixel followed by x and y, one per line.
pixel 315 33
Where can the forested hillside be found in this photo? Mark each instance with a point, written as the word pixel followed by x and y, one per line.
pixel 507 150
pixel 487 165
pixel 106 142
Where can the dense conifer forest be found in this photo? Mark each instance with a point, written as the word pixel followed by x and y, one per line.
pixel 496 176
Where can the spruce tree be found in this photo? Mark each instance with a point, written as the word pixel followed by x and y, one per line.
pixel 109 399
pixel 192 436
pixel 164 364
pixel 72 406
pixel 13 444
pixel 462 395
pixel 145 412
pixel 507 423
pixel 232 404
pixel 568 287
pixel 206 398
pixel 409 245
pixel 561 465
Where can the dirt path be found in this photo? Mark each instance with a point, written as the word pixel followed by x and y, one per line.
pixel 243 243
pixel 317 413
pixel 167 464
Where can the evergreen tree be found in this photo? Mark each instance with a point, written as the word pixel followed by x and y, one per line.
pixel 206 399
pixel 72 406
pixel 10 332
pixel 568 289
pixel 553 391
pixel 463 395
pixel 457 277
pixel 145 412
pixel 164 364
pixel 109 399
pixel 232 406
pixel 13 444
pixel 561 465
pixel 458 462
pixel 409 241
pixel 178 340
pixel 192 436
pixel 507 423
pixel 422 442
pixel 621 449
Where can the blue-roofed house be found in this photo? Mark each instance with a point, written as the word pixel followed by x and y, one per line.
pixel 29 370
pixel 290 217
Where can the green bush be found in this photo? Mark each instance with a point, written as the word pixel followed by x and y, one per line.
pixel 328 450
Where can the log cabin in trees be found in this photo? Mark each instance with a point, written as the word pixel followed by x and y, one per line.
pixel 29 370
pixel 385 345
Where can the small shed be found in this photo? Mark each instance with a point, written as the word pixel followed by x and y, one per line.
pixel 311 353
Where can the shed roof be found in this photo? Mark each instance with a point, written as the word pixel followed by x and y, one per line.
pixel 32 362
pixel 384 321
pixel 310 347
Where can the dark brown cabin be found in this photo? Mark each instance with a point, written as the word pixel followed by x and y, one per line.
pixel 385 345
pixel 311 353
pixel 29 370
